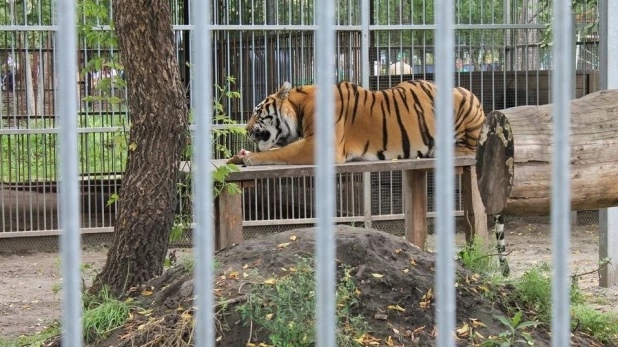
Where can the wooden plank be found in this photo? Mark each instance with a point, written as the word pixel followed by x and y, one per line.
pixel 415 202
pixel 228 219
pixel 475 219
pixel 275 171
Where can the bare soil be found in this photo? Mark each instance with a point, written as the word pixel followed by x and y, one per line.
pixel 28 302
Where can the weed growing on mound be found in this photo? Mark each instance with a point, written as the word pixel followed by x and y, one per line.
pixel 533 290
pixel 476 257
pixel 102 314
pixel 601 325
pixel 284 311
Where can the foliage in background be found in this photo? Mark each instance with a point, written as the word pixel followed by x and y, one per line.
pixel 581 7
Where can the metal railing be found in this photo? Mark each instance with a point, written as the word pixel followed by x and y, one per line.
pixel 261 43
pixel 65 61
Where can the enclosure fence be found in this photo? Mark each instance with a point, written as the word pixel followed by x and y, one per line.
pixel 500 52
pixel 324 11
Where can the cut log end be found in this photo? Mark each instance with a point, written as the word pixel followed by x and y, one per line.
pixel 494 162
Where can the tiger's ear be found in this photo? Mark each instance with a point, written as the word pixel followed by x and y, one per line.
pixel 284 91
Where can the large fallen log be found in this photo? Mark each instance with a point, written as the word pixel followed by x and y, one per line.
pixel 514 157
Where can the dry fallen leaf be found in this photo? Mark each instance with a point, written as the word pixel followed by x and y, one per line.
pixel 398 250
pixel 146 292
pixel 270 281
pixel 269 316
pixel 412 262
pixel 405 271
pixel 283 245
pixel 377 275
pixel 245 275
pixel 293 237
pixel 396 308
pixel 464 330
pixel 245 267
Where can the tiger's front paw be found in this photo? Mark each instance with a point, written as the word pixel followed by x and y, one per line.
pixel 250 160
pixel 238 159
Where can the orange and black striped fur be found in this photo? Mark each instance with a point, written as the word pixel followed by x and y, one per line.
pixel 369 125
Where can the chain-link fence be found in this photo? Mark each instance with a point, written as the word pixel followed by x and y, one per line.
pixel 502 55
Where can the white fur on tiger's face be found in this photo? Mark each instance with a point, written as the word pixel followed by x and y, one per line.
pixel 273 123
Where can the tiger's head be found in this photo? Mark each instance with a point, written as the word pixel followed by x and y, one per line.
pixel 274 122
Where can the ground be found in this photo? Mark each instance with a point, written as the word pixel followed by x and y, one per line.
pixel 29 282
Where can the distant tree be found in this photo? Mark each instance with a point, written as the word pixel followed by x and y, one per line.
pixel 159 120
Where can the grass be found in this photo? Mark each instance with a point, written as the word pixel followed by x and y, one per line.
pixel 102 314
pixel 31 340
pixel 532 291
pixel 34 157
pixel 283 309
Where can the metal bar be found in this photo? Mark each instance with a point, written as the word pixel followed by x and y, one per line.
pixel 66 41
pixel 444 183
pixel 608 218
pixel 29 27
pixel 325 177
pixel 561 195
pixel 201 55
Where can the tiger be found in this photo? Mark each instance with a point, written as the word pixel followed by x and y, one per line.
pixel 394 123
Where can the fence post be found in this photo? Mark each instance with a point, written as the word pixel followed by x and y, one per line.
pixel 70 238
pixel 365 13
pixel 608 74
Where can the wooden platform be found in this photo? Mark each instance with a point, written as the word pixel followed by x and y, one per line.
pixel 228 208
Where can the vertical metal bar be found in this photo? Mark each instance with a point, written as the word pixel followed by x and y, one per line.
pixel 69 200
pixel 202 179
pixel 325 177
pixel 444 183
pixel 365 66
pixel 608 217
pixel 561 197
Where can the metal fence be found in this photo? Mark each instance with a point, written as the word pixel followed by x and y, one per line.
pixel 263 43
pixel 500 53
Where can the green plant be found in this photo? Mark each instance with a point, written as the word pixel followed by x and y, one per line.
pixel 34 339
pixel 600 325
pixel 283 309
pixel 224 129
pixel 533 290
pixel 476 257
pixel 515 325
pixel 102 314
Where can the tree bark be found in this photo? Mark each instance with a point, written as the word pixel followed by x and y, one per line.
pixel 159 120
pixel 594 157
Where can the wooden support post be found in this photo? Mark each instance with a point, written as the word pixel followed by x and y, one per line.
pixel 608 239
pixel 228 220
pixel 475 219
pixel 416 206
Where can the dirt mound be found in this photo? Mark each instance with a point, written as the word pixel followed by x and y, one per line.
pixel 393 293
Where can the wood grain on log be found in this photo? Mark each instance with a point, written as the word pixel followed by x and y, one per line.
pixel 594 157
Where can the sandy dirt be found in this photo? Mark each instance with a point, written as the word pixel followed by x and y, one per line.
pixel 28 282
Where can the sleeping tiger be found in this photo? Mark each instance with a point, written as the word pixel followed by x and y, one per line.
pixel 388 124
pixel 396 123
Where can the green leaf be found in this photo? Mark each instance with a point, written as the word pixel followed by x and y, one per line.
pixel 504 320
pixel 527 324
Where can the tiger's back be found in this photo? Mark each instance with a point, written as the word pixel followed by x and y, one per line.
pixel 399 123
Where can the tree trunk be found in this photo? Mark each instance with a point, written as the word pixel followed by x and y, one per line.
pixel 159 119
pixel 594 158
